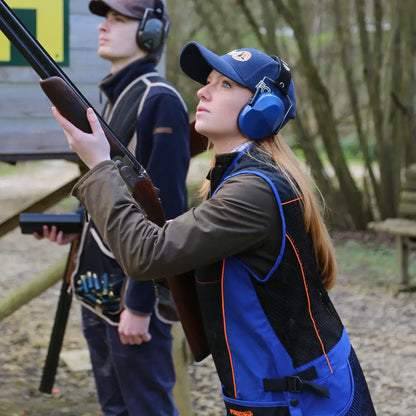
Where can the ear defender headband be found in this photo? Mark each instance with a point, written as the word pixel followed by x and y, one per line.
pixel 265 113
pixel 152 31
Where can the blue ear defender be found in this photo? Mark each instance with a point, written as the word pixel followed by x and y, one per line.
pixel 265 112
pixel 263 117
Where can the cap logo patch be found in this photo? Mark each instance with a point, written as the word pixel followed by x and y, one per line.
pixel 241 56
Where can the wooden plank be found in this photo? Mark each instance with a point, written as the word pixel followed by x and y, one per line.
pixel 410 173
pixel 403 227
pixel 84 31
pixel 18 74
pixel 86 67
pixel 23 101
pixel 28 127
pixel 27 101
pixel 40 205
pixel 409 185
pixel 407 210
pixel 397 226
pixel 408 196
pixel 79 7
pixel 407 204
pixel 35 135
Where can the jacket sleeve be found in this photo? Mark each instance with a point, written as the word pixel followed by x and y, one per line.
pixel 236 219
pixel 163 148
pixel 140 297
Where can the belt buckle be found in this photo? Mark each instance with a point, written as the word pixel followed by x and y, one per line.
pixel 294 384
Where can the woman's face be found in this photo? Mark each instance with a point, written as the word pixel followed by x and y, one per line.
pixel 220 102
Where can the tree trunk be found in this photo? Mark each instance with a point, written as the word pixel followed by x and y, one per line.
pixel 342 27
pixel 323 110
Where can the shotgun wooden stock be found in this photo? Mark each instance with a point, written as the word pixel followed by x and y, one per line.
pixel 72 104
pixel 199 142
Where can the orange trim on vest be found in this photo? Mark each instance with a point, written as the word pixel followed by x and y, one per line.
pixel 293 200
pixel 238 413
pixel 225 329
pixel 309 303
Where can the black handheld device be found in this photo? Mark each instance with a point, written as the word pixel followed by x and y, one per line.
pixel 33 222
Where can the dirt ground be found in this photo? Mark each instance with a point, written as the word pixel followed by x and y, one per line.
pixel 380 322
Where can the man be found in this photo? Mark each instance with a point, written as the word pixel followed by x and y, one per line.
pixel 132 362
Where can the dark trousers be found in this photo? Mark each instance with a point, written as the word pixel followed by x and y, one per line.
pixel 131 380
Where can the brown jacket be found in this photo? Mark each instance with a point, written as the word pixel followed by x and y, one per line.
pixel 241 219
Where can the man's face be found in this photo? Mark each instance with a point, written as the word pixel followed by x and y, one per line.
pixel 117 39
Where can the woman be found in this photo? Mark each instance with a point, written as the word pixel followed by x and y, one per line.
pixel 262 254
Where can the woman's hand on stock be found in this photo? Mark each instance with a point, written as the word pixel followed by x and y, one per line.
pixel 93 148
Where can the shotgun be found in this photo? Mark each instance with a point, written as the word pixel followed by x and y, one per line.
pixel 72 105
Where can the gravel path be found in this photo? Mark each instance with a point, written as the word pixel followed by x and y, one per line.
pixel 381 324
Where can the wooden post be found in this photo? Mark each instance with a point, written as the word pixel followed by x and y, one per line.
pixel 31 289
pixel 403 243
pixel 181 357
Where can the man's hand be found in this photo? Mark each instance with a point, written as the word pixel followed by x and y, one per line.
pixel 52 234
pixel 133 329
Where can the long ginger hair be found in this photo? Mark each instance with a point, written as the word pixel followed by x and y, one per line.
pixel 289 166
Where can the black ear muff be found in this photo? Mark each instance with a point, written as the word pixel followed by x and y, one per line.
pixel 265 112
pixel 152 31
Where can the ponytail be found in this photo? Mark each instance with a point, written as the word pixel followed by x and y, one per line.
pixel 290 167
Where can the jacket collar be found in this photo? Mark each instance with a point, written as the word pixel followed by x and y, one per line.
pixel 113 84
pixel 222 163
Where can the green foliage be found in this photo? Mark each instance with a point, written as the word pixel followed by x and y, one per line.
pixel 322 39
pixel 6 168
pixel 369 262
pixel 352 150
pixel 21 167
pixel 193 195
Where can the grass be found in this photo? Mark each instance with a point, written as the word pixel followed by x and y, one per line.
pixel 370 262
pixel 7 168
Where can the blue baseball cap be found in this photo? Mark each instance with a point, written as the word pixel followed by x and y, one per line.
pixel 247 67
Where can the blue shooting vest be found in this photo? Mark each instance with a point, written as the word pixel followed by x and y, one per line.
pixel 278 344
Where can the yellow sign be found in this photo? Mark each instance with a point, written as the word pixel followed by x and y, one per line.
pixel 49 24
